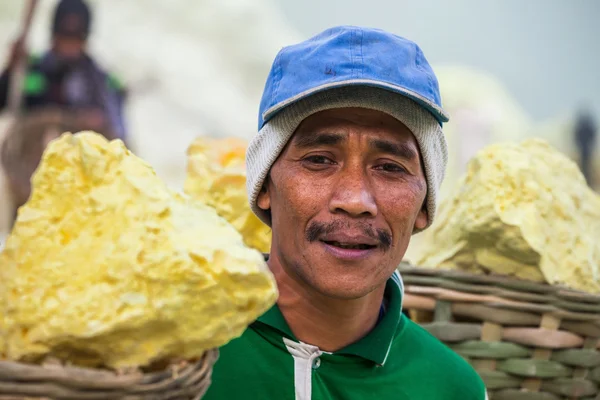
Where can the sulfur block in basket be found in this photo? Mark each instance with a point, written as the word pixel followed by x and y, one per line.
pixel 524 210
pixel 107 267
pixel 216 175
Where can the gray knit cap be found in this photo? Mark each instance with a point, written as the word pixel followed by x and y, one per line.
pixel 265 148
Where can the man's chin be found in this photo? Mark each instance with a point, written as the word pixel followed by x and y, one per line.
pixel 340 282
pixel 345 290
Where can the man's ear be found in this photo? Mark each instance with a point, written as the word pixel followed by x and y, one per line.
pixel 422 218
pixel 264 198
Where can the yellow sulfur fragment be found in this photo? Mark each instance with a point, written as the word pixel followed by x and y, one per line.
pixel 216 175
pixel 522 210
pixel 105 266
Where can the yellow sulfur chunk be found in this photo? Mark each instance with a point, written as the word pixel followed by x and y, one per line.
pixel 216 175
pixel 523 210
pixel 107 267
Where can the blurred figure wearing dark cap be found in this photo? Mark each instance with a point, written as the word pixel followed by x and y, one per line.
pixel 585 138
pixel 66 77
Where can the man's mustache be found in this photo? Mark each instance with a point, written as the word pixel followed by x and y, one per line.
pixel 318 229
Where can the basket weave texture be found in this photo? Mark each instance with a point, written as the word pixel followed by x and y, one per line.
pixel 527 341
pixel 182 381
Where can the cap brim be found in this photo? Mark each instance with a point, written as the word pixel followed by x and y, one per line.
pixel 439 114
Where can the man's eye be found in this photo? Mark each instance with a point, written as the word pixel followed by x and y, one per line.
pixel 318 160
pixel 389 167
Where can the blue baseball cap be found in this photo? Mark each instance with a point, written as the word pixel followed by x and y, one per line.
pixel 347 56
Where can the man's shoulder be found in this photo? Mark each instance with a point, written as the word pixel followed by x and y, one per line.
pixel 35 82
pixel 114 82
pixel 434 358
pixel 112 79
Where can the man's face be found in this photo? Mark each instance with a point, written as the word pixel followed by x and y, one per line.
pixel 68 48
pixel 345 196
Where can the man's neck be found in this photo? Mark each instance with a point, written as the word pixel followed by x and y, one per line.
pixel 328 323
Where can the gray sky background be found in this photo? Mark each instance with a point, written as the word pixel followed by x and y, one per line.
pixel 546 52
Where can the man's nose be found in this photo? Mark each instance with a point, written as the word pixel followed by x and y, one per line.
pixel 353 194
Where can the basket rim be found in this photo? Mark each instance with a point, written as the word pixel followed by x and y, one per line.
pixel 560 291
pixel 62 382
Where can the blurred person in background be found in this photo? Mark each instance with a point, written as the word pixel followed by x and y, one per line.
pixel 67 78
pixel 64 89
pixel 585 138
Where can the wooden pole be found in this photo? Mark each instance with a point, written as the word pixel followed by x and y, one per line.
pixel 20 69
pixel 14 102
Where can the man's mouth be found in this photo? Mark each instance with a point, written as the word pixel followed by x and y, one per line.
pixel 350 246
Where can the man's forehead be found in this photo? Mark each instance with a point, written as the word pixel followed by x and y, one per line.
pixel 350 115
pixel 335 127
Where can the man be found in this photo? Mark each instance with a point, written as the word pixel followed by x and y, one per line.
pixel 67 79
pixel 345 168
pixel 585 138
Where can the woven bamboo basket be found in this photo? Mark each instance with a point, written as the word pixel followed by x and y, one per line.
pixel 528 341
pixel 178 381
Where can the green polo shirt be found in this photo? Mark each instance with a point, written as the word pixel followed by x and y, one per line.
pixel 396 360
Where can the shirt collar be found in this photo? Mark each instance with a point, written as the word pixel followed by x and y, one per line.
pixel 376 345
pixel 274 318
